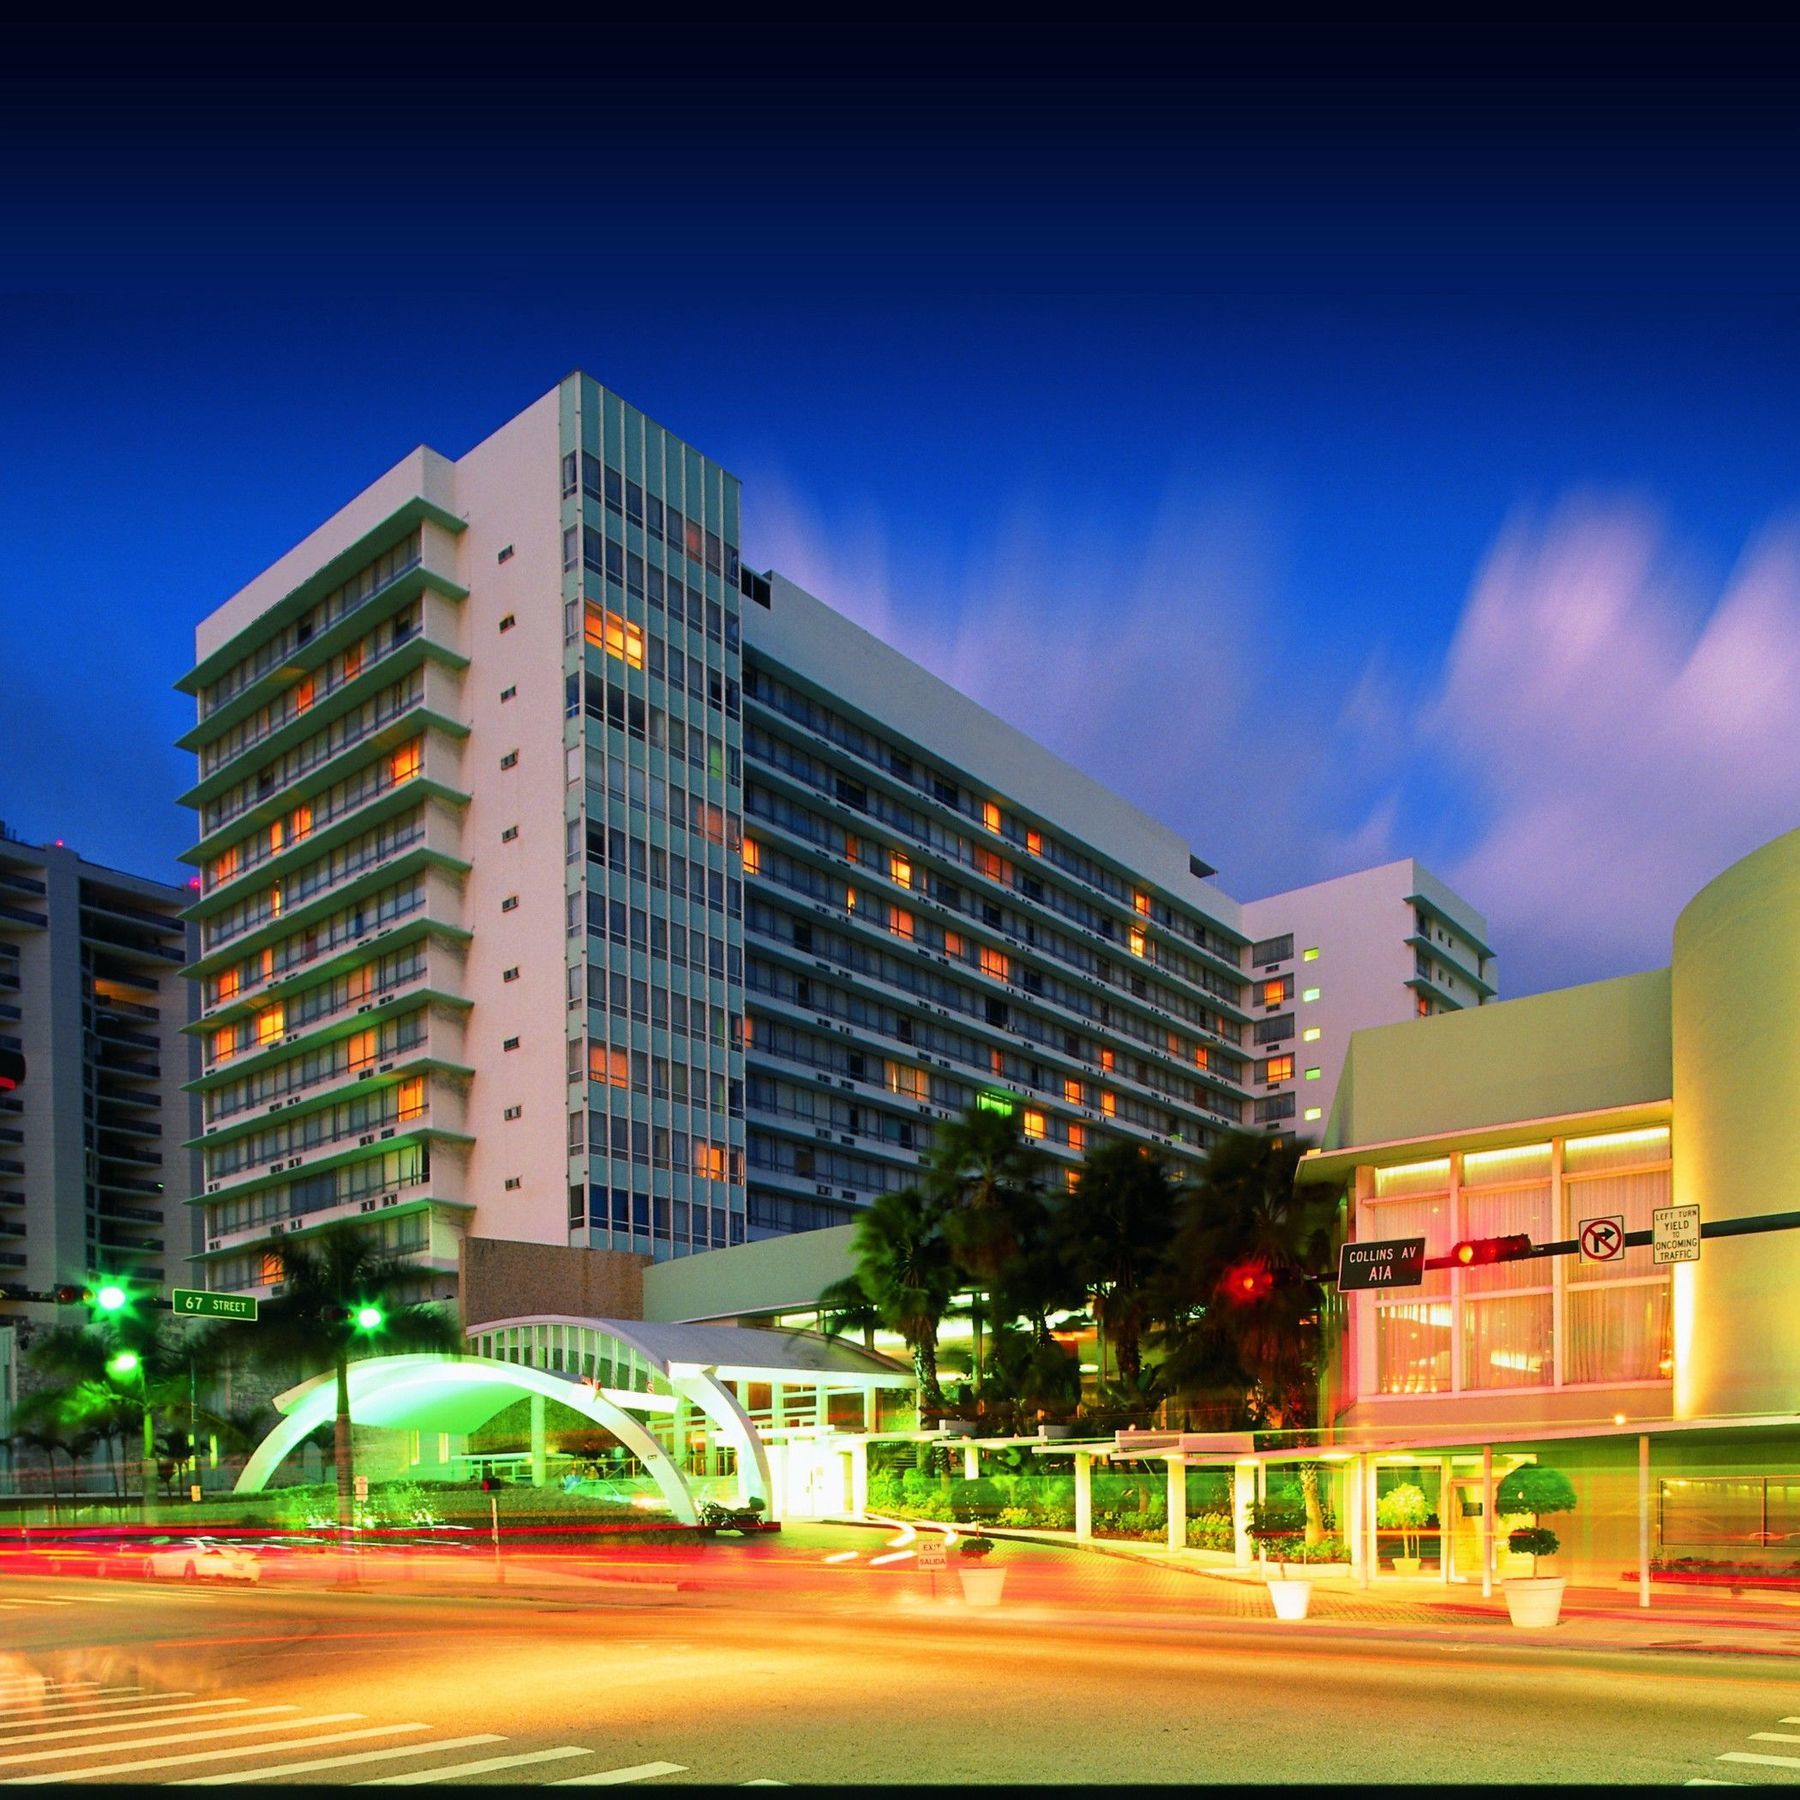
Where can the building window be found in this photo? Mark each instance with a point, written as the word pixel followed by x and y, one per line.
pixel 1072 1091
pixel 509 1044
pixel 1277 1068
pixel 508 622
pixel 509 974
pixel 1077 1138
pixel 906 1081
pixel 511 832
pixel 410 1098
pixel 900 923
pixel 510 903
pixel 511 1112
pixel 1310 1035
pixel 1109 1105
pixel 506 694
pixel 990 815
pixel 900 869
pixel 752 857
pixel 993 962
pixel 1136 940
pixel 1313 1113
pixel 1273 950
pixel 1033 1123
pixel 1311 955
pixel 510 760
pixel 1312 1074
pixel 616 635
pixel 1278 991
pixel 1034 843
pixel 512 1182
pixel 1309 996
pixel 270 1024
pixel 505 554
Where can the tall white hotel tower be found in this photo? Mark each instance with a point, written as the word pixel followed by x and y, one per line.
pixel 564 882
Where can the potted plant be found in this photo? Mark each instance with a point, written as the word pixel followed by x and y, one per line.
pixel 981 1585
pixel 1279 1528
pixel 1534 1601
pixel 1403 1509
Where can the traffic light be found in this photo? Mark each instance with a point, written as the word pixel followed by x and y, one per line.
pixel 123 1365
pixel 12 1071
pixel 108 1297
pixel 370 1318
pixel 1247 1282
pixel 66 1295
pixel 364 1317
pixel 1473 1252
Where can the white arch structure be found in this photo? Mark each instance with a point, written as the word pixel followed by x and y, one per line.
pixel 456 1394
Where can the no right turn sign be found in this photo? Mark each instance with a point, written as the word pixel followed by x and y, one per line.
pixel 1602 1240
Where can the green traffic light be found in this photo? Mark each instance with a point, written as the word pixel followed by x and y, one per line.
pixel 110 1298
pixel 369 1318
pixel 124 1363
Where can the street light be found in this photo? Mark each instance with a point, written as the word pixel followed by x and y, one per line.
pixel 370 1318
pixel 127 1366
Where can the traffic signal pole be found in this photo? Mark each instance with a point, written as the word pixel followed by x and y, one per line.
pixel 1752 1226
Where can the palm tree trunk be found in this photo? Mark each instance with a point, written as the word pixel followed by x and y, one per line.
pixel 340 1450
pixel 1315 1509
pixel 925 1374
pixel 975 1320
pixel 149 1447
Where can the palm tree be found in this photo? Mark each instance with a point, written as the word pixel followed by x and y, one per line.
pixel 904 1268
pixel 1114 1231
pixel 844 1306
pixel 1244 1284
pixel 989 1181
pixel 343 1298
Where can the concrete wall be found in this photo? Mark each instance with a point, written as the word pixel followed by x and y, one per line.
pixel 501 1279
pixel 773 1275
pixel 1736 1020
pixel 1576 1050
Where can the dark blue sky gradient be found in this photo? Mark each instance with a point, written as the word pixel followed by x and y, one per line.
pixel 1383 299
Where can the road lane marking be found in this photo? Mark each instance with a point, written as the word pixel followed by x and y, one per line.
pixel 11 1733
pixel 612 1777
pixel 232 1777
pixel 14 1605
pixel 186 1737
pixel 420 1776
pixel 100 1697
pixel 1750 1756
pixel 1775 1737
pixel 196 1711
pixel 202 1756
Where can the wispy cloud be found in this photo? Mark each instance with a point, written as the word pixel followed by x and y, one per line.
pixel 1601 736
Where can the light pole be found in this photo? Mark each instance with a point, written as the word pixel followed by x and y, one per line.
pixel 125 1366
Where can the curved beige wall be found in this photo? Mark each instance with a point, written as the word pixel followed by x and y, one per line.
pixel 1736 1020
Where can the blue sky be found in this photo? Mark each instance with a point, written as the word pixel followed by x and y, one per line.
pixel 1373 461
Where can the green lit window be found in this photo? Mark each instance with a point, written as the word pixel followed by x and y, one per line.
pixel 1310 994
pixel 1311 955
pixel 1312 1074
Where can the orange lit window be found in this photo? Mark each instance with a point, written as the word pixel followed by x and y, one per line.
pixel 270 1272
pixel 1078 1137
pixel 410 1097
pixel 609 1065
pixel 359 984
pixel 406 762
pixel 303 695
pixel 752 857
pixel 1109 1105
pixel 1279 1068
pixel 1202 1057
pixel 275 901
pixel 849 899
pixel 1034 842
pixel 1137 941
pixel 993 962
pixel 1274 992
pixel 1106 1060
pixel 900 922
pixel 1072 1091
pixel 1033 1124
pixel 362 1050
pixel 224 1043
pixel 1141 901
pixel 953 944
pixel 269 1024
pixel 227 865
pixel 997 1061
pixel 990 815
pixel 990 865
pixel 277 837
pixel 852 847
pixel 899 869
pixel 709 1161
pixel 268 962
pixel 300 824
pixel 615 634
pixel 353 662
pixel 905 1080
pixel 1173 1042
pixel 228 984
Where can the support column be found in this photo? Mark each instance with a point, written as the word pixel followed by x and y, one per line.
pixel 538 1465
pixel 859 1478
pixel 1177 1503
pixel 1353 1521
pixel 1644 1519
pixel 871 1402
pixel 1487 1521
pixel 971 1463
pixel 777 1407
pixel 1243 1489
pixel 1446 1493
pixel 1371 1523
pixel 1084 1496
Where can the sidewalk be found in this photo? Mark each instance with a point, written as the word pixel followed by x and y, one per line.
pixel 1593 1617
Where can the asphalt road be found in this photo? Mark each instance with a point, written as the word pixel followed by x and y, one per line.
pixel 764 1662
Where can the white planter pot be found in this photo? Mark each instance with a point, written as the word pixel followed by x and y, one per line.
pixel 1406 1565
pixel 981 1587
pixel 1534 1602
pixel 1291 1598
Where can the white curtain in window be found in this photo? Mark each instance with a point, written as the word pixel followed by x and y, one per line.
pixel 1503 1214
pixel 1617 1333
pixel 1412 1348
pixel 1427 1217
pixel 1633 1196
pixel 1506 1341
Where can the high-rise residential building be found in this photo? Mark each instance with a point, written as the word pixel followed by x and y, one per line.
pixel 564 881
pixel 1373 948
pixel 95 1172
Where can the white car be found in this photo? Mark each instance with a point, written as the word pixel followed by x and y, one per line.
pixel 200 1559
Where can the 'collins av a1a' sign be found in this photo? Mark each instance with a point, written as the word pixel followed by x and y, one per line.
pixel 1392 1263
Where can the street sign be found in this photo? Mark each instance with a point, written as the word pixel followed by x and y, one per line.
pixel 1390 1263
pixel 1602 1240
pixel 934 1556
pixel 1675 1234
pixel 212 1306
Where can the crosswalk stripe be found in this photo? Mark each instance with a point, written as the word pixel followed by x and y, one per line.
pixel 431 1746
pixel 194 1709
pixel 14 1605
pixel 205 1756
pixel 418 1777
pixel 1775 1737
pixel 186 1737
pixel 611 1777
pixel 1750 1756
pixel 191 1713
pixel 100 1697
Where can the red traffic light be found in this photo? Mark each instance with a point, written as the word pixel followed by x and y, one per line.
pixel 1472 1252
pixel 1247 1281
pixel 66 1295
pixel 12 1070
